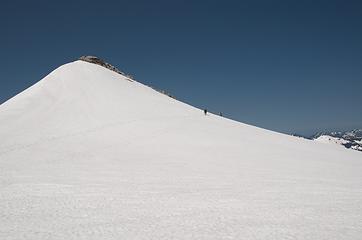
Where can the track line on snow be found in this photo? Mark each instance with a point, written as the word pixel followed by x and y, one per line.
pixel 85 132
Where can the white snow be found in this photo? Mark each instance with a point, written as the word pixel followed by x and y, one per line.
pixel 330 139
pixel 86 154
pixel 357 147
pixel 338 141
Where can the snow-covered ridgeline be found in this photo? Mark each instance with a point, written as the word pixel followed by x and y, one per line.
pixel 85 154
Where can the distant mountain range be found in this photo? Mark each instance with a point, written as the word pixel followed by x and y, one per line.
pixel 349 139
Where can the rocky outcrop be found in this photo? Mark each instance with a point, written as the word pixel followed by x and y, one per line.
pixel 101 62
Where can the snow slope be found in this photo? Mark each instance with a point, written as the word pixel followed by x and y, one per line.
pixel 332 140
pixel 350 144
pixel 88 154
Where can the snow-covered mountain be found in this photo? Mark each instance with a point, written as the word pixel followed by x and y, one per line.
pixel 101 62
pixel 88 153
pixel 352 135
pixel 348 139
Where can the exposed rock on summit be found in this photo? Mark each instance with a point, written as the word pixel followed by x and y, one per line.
pixel 101 62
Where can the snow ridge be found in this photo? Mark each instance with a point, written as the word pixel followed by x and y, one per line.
pixel 85 154
pixel 101 62
pixel 349 139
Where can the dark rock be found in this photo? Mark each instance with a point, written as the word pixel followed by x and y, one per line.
pixel 101 62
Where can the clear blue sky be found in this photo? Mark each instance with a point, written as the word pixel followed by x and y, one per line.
pixel 289 66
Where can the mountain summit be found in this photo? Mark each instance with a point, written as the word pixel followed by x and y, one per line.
pixel 100 62
pixel 86 153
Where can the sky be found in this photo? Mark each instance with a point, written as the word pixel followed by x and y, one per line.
pixel 288 66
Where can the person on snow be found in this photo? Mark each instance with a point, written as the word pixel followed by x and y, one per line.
pixel 205 111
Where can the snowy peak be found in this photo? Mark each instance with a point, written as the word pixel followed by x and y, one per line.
pixel 81 97
pixel 107 158
pixel 101 62
pixel 355 134
pixel 349 139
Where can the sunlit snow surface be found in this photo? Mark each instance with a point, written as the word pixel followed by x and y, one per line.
pixel 87 154
pixel 340 142
pixel 330 139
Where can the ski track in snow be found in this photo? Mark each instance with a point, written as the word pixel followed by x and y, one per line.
pixel 79 133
